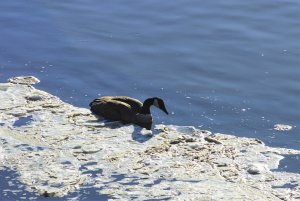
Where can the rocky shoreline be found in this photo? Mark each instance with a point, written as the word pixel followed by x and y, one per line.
pixel 58 149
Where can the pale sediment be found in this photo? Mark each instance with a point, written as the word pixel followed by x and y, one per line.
pixel 57 149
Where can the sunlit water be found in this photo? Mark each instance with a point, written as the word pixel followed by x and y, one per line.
pixel 226 66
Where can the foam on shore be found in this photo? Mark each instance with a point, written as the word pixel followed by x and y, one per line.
pixel 58 149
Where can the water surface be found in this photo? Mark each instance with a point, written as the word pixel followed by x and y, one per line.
pixel 226 66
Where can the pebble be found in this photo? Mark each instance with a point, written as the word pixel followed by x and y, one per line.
pixel 210 139
pixel 196 146
pixel 90 149
pixel 257 168
pixel 34 98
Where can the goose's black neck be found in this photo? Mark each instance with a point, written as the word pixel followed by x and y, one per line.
pixel 146 106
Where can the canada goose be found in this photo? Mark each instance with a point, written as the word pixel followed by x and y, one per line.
pixel 126 109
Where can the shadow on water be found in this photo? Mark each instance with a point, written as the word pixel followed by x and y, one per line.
pixel 138 134
pixel 93 173
pixel 141 137
pixel 11 187
pixel 119 177
pixel 88 193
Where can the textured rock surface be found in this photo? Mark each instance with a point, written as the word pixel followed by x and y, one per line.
pixel 58 149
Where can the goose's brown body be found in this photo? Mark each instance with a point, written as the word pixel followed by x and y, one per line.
pixel 125 109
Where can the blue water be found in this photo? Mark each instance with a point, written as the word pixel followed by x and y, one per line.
pixel 227 66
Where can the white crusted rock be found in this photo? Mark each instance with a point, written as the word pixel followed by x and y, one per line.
pixel 26 80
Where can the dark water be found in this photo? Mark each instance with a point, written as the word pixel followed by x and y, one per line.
pixel 11 187
pixel 226 66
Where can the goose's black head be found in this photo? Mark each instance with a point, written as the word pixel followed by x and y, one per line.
pixel 157 102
